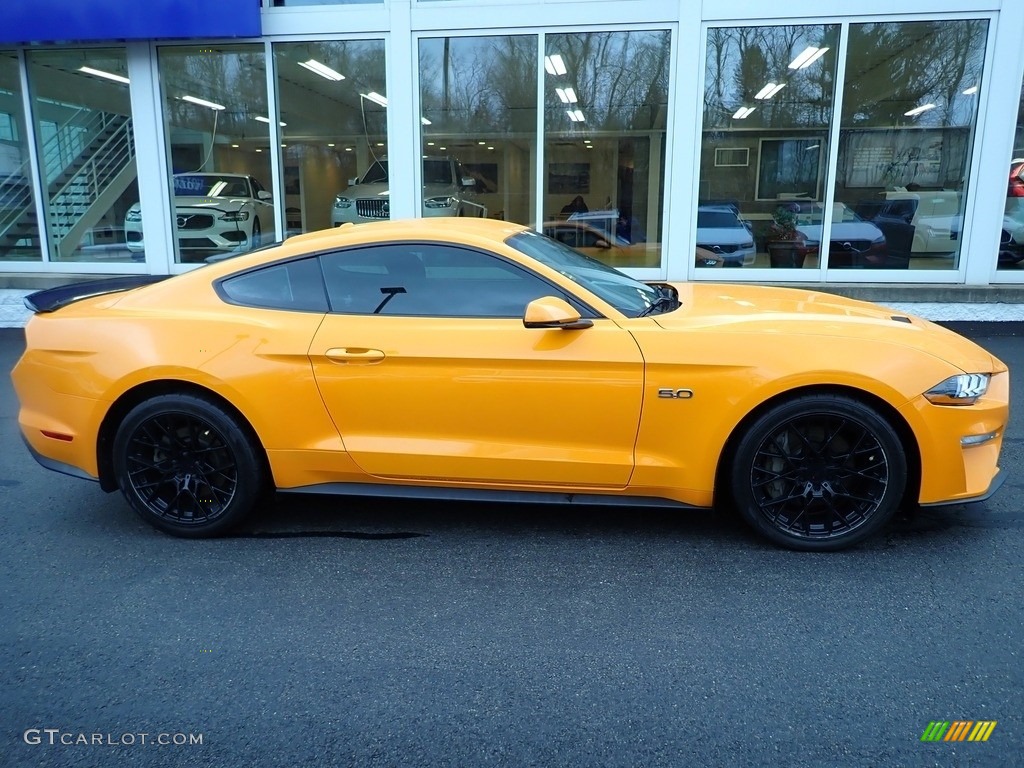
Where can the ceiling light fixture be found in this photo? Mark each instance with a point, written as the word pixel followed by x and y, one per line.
pixel 743 113
pixel 107 75
pixel 322 69
pixel 576 115
pixel 376 98
pixel 970 91
pixel 266 120
pixel 554 65
pixel 918 110
pixel 203 103
pixel 567 95
pixel 808 56
pixel 769 90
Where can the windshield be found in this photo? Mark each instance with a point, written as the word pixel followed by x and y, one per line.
pixel 210 185
pixel 376 173
pixel 629 296
pixel 713 219
pixel 437 172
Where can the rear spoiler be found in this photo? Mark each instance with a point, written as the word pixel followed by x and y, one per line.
pixel 53 299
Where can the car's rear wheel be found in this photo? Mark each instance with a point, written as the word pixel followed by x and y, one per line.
pixel 187 466
pixel 819 472
pixel 257 233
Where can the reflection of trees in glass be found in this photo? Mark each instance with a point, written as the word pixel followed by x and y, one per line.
pixel 479 84
pixel 234 77
pixel 620 79
pixel 894 67
pixel 313 106
pixel 742 60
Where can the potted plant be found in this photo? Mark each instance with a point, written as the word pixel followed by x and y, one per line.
pixel 786 246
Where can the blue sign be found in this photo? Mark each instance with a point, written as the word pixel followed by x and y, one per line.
pixel 36 21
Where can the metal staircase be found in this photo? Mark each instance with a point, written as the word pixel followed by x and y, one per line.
pixel 83 185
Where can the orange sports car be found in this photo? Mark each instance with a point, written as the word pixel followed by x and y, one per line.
pixel 479 359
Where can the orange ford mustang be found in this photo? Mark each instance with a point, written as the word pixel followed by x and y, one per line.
pixel 478 359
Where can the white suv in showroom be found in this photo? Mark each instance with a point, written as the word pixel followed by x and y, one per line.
pixel 446 187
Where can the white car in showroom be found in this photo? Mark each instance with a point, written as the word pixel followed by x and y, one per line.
pixel 447 187
pixel 213 213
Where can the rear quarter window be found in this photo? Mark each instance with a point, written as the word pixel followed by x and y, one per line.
pixel 293 285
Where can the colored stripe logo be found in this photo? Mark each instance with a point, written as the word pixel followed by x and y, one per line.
pixel 959 730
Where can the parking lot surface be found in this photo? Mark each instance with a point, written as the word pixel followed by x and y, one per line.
pixel 364 633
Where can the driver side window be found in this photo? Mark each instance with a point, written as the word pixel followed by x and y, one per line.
pixel 429 280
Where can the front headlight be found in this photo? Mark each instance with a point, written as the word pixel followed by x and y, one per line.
pixel 133 215
pixel 235 216
pixel 342 202
pixel 962 389
pixel 439 202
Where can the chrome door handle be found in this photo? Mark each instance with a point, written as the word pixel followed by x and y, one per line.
pixel 354 355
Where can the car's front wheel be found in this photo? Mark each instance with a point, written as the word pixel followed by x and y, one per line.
pixel 187 466
pixel 818 472
pixel 257 233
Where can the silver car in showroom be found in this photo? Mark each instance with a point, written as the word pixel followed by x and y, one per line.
pixel 213 213
pixel 447 189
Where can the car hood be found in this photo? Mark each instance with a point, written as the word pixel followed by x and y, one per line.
pixel 724 236
pixel 842 230
pixel 381 190
pixel 747 309
pixel 216 203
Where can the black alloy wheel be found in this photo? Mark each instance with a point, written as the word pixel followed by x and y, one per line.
pixel 819 472
pixel 186 466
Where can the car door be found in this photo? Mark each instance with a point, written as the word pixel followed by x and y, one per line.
pixel 429 373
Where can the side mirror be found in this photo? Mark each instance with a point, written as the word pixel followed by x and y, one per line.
pixel 552 312
pixel 601 243
pixel 263 195
pixel 468 181
pixel 353 181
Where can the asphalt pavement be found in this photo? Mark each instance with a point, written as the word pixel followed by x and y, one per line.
pixel 364 633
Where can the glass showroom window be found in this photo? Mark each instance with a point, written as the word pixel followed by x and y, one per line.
pixel 334 129
pixel 910 103
pixel 1011 246
pixel 82 111
pixel 19 231
pixel 768 94
pixel 478 96
pixel 218 133
pixel 606 104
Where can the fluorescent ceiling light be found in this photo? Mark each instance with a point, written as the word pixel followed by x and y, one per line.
pixel 769 90
pixel 322 69
pixel 918 110
pixel 107 75
pixel 263 119
pixel 376 98
pixel 576 116
pixel 743 113
pixel 554 65
pixel 425 121
pixel 813 146
pixel 203 103
pixel 970 91
pixel 567 95
pixel 808 56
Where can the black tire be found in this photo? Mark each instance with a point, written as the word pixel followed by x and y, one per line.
pixel 257 237
pixel 186 466
pixel 818 473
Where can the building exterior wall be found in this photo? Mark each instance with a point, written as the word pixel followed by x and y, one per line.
pixel 891 151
